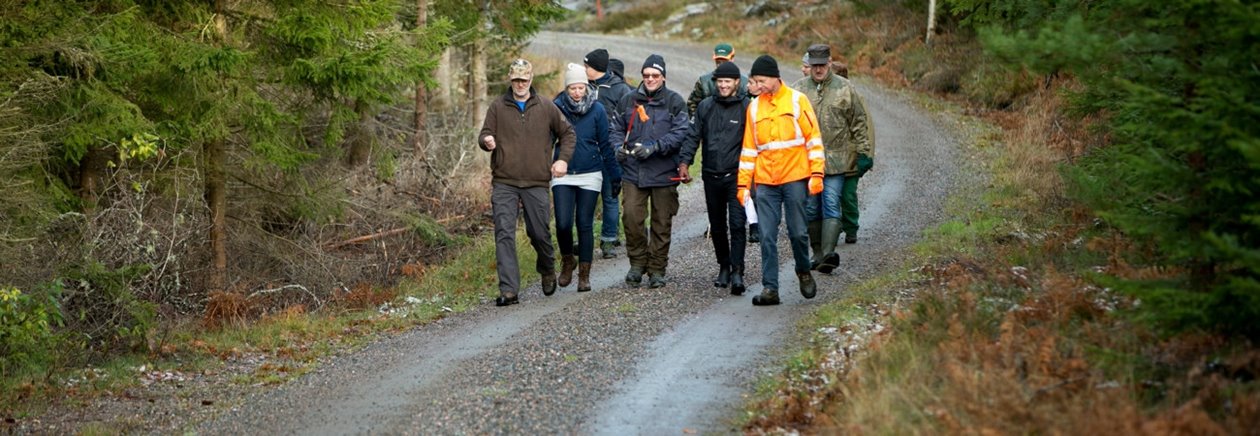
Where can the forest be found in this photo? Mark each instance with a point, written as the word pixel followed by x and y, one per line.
pixel 215 160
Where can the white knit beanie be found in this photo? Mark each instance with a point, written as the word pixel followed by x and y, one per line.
pixel 575 74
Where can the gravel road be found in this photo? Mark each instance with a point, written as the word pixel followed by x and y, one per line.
pixel 617 360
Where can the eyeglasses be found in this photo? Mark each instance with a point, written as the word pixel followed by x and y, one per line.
pixel 652 76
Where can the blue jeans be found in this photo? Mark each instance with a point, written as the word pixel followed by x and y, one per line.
pixel 574 202
pixel 828 203
pixel 612 213
pixel 775 203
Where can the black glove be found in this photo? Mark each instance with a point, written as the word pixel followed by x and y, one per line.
pixel 615 187
pixel 622 154
pixel 864 164
pixel 643 151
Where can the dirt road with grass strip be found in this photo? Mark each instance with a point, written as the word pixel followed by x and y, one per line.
pixel 618 360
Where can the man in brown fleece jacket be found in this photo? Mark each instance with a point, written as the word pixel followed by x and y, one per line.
pixel 520 132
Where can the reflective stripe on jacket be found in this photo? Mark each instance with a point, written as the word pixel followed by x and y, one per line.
pixel 781 140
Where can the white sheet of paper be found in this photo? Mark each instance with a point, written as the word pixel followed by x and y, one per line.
pixel 751 210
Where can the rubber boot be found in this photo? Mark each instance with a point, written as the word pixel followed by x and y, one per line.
pixel 768 297
pixel 723 278
pixel 567 263
pixel 808 288
pixel 830 234
pixel 584 277
pixel 815 243
pixel 737 281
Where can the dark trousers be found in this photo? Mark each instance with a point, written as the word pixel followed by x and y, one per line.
pixel 648 252
pixel 849 205
pixel 574 203
pixel 612 212
pixel 505 205
pixel 726 215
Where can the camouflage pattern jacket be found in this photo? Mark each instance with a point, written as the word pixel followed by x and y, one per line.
pixel 842 118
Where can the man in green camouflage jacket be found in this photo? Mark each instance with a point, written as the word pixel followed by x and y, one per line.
pixel 849 149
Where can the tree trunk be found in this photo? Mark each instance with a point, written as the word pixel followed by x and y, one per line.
pixel 422 94
pixel 931 25
pixel 446 82
pixel 478 84
pixel 216 200
pixel 213 154
pixel 360 137
pixel 478 80
pixel 89 176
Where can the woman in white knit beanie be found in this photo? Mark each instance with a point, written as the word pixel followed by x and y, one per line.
pixel 576 193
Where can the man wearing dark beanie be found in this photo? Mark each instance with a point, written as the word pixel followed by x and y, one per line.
pixel 705 86
pixel 647 135
pixel 719 125
pixel 783 155
pixel 609 89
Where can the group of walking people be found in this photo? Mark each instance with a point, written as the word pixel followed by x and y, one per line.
pixel 775 152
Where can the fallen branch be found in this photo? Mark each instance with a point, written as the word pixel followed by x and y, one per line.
pixel 318 303
pixel 366 238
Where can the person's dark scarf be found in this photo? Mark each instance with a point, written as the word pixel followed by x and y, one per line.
pixel 577 108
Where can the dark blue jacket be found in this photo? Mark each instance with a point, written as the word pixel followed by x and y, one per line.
pixel 665 128
pixel 593 151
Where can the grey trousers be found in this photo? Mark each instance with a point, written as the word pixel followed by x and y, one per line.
pixel 505 203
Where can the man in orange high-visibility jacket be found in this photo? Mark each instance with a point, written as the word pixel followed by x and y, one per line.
pixel 783 154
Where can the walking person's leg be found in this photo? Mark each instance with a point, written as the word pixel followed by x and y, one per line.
pixel 832 187
pixel 505 207
pixel 566 205
pixel 537 202
pixel 586 200
pixel 769 201
pixel 715 200
pixel 794 195
pixel 633 213
pixel 612 221
pixel 849 209
pixel 664 207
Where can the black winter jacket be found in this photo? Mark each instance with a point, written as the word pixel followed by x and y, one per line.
pixel 609 90
pixel 665 127
pixel 719 125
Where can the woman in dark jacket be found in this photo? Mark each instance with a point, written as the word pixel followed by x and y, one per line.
pixel 577 193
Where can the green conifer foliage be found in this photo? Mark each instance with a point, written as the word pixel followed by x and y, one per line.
pixel 1178 85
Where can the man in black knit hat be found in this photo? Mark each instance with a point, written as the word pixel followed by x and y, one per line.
pixel 609 89
pixel 648 133
pixel 783 155
pixel 719 124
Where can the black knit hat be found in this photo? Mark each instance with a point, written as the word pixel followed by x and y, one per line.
pixel 654 61
pixel 728 70
pixel 617 67
pixel 765 66
pixel 597 59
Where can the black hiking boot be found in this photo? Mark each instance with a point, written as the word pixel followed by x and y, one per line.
pixel 737 282
pixel 723 278
pixel 506 300
pixel 808 288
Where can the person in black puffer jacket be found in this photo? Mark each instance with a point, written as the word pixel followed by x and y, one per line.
pixel 719 125
pixel 608 86
pixel 647 134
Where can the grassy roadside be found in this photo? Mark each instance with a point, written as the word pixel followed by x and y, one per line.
pixel 279 346
pixel 1004 324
